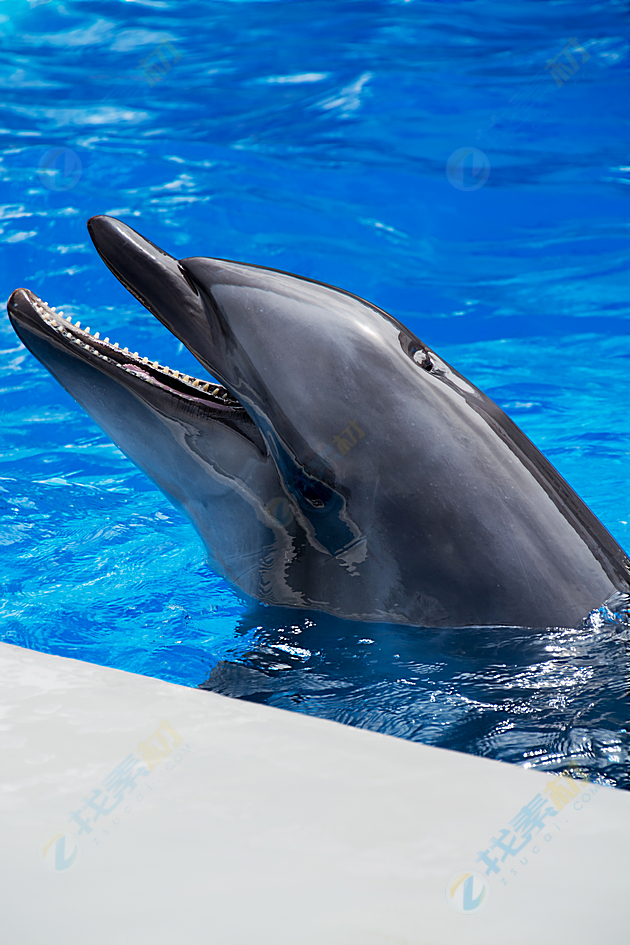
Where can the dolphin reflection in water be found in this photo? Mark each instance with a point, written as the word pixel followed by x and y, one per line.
pixel 340 465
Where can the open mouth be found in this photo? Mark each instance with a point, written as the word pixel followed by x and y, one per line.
pixel 91 347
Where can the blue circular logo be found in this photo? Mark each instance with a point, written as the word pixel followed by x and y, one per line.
pixel 60 169
pixel 468 169
pixel 60 852
pixel 280 509
pixel 468 892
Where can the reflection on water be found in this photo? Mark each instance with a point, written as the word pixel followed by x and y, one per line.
pixel 553 701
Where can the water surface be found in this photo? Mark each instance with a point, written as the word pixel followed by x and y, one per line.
pixel 314 137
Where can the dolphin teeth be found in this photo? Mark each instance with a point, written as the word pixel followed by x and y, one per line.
pixel 52 316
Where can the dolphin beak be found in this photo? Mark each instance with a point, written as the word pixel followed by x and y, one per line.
pixel 20 309
pixel 156 279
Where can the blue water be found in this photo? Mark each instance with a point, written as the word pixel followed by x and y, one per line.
pixel 314 137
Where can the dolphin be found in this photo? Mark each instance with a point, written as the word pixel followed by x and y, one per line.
pixel 339 464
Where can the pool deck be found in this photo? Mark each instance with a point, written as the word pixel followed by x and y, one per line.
pixel 138 811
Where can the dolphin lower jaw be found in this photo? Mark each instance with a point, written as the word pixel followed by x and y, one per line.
pixel 267 577
pixel 28 310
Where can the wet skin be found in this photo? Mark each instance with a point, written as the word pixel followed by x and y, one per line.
pixel 343 466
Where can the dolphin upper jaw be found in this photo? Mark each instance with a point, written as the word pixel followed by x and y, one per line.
pixel 154 277
pixel 163 285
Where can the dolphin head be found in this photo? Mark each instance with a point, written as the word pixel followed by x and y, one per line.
pixel 340 464
pixel 315 368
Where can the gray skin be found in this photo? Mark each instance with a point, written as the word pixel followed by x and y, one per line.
pixel 344 466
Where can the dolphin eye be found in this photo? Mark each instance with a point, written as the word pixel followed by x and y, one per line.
pixel 421 357
pixel 416 350
pixel 316 503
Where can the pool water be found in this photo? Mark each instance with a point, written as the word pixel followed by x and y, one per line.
pixel 464 165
